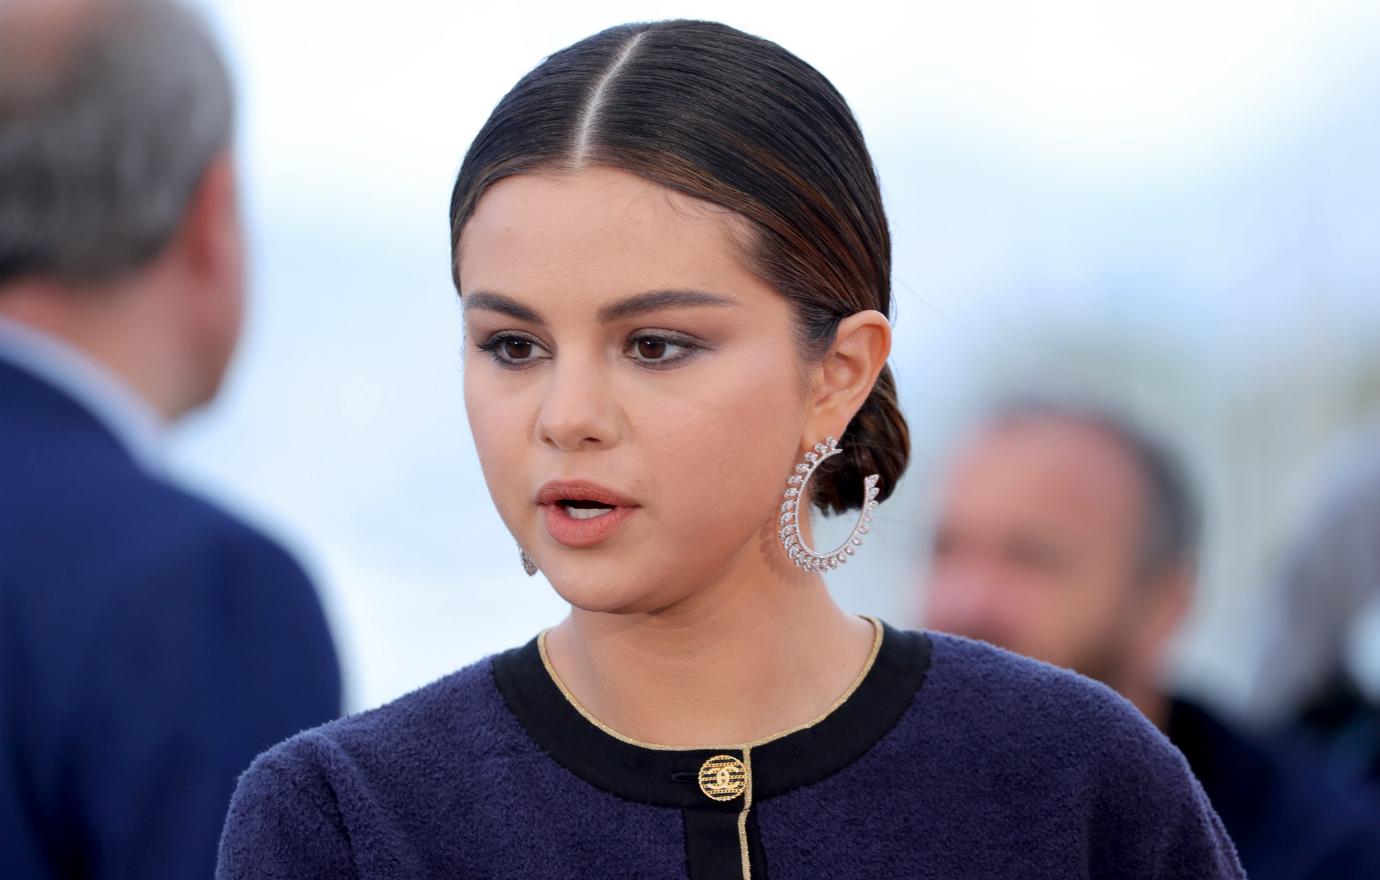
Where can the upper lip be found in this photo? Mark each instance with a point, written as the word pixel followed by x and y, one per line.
pixel 581 490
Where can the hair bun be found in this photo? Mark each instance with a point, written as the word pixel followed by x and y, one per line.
pixel 877 441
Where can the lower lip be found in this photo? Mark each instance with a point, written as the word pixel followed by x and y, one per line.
pixel 573 532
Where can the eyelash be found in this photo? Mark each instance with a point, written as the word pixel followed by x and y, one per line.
pixel 493 347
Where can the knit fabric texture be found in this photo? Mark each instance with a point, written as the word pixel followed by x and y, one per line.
pixel 1001 767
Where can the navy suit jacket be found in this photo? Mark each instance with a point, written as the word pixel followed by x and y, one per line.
pixel 150 646
pixel 1290 817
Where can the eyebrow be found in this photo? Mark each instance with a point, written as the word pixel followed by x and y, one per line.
pixel 497 302
pixel 638 304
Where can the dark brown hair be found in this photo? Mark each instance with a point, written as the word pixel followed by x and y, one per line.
pixel 738 121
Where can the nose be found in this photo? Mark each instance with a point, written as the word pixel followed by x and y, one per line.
pixel 577 408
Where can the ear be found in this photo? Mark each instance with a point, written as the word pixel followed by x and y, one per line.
pixel 847 373
pixel 210 237
pixel 210 293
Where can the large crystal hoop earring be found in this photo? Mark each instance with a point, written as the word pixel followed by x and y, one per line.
pixel 527 564
pixel 797 499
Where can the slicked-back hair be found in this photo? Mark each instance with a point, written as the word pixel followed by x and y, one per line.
pixel 735 120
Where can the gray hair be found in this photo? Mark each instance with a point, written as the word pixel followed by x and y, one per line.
pixel 106 129
pixel 1171 526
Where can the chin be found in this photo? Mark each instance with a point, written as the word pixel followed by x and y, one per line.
pixel 607 589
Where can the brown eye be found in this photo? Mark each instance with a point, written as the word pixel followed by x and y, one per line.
pixel 651 349
pixel 514 352
pixel 659 351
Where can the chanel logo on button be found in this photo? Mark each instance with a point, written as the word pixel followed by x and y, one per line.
pixel 723 778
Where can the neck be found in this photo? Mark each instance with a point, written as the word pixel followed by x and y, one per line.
pixel 122 330
pixel 745 657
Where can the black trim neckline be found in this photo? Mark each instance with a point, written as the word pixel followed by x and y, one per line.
pixel 669 777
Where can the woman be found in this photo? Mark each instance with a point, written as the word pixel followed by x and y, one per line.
pixel 674 265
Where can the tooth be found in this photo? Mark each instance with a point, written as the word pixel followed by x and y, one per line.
pixel 587 512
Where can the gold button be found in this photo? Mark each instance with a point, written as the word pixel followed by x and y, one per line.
pixel 723 778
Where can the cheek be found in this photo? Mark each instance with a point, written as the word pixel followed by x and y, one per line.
pixel 1094 606
pixel 1061 622
pixel 498 423
pixel 722 448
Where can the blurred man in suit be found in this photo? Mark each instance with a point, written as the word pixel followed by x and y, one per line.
pixel 150 643
pixel 1067 534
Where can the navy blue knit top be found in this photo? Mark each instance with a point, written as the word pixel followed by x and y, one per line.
pixel 950 759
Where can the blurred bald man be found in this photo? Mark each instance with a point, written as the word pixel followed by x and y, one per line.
pixel 150 644
pixel 1067 534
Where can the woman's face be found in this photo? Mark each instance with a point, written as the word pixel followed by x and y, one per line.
pixel 634 391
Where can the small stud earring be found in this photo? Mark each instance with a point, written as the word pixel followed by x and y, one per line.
pixel 793 541
pixel 527 564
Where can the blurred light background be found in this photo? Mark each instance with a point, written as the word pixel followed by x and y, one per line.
pixel 1171 205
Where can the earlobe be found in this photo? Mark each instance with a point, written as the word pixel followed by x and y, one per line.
pixel 848 372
